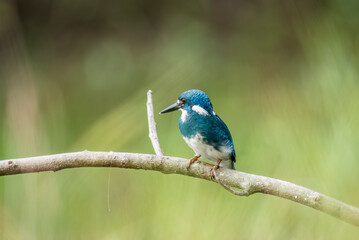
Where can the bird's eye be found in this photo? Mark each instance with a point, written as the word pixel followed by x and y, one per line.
pixel 181 101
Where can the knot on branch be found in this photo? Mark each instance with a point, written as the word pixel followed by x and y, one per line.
pixel 12 164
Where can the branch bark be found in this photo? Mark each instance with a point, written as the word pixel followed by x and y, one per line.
pixel 250 183
pixel 228 178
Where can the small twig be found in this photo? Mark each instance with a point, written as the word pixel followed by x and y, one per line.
pixel 108 190
pixel 243 192
pixel 152 126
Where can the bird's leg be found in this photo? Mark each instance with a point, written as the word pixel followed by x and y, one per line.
pixel 192 160
pixel 213 174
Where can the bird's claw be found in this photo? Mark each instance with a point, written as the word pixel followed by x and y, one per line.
pixel 192 160
pixel 213 172
pixel 213 169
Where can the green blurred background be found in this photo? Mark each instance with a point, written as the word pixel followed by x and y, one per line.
pixel 283 75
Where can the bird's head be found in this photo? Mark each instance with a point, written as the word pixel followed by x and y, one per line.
pixel 192 100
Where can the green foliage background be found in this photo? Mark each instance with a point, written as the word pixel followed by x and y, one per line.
pixel 283 75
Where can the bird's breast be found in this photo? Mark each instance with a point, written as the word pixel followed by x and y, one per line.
pixel 200 147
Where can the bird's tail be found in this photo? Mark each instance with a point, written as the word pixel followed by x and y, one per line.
pixel 233 165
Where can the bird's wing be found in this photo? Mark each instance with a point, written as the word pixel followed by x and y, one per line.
pixel 219 135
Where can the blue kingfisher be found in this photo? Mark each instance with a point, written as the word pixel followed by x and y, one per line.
pixel 203 130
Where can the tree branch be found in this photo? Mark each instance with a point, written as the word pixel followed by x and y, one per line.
pixel 152 126
pixel 250 183
pixel 228 178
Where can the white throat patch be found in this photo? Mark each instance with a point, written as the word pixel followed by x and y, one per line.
pixel 184 115
pixel 199 110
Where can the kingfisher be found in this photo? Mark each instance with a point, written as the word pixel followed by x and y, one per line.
pixel 203 130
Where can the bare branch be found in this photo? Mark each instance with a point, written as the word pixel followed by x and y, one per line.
pixel 250 183
pixel 152 126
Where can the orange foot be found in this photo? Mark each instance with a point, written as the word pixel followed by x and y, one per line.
pixel 213 174
pixel 192 160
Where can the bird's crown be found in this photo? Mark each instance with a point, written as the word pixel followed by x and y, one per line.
pixel 195 97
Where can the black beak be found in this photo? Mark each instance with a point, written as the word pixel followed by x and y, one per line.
pixel 171 108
